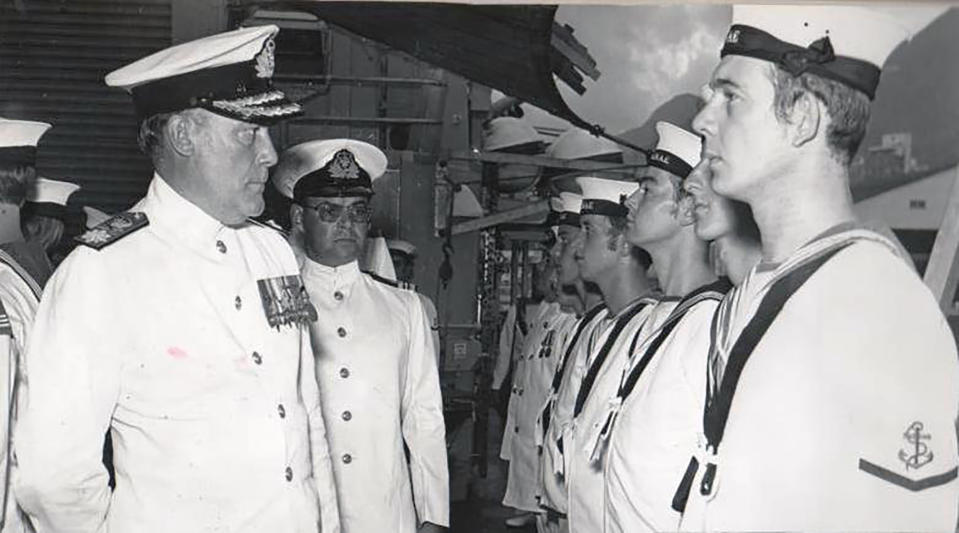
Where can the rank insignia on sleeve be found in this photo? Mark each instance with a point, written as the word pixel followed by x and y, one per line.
pixel 917 453
pixel 914 454
pixel 113 229
pixel 285 301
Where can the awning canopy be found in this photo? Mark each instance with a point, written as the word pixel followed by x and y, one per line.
pixel 508 48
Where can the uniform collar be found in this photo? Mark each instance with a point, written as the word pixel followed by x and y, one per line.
pixel 333 277
pixel 171 213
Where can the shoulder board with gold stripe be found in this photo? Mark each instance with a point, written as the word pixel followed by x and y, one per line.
pixel 113 229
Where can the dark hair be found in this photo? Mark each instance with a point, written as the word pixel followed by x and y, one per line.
pixel 848 108
pixel 617 226
pixel 15 181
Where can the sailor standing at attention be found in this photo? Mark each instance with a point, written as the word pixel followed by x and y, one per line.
pixel 834 383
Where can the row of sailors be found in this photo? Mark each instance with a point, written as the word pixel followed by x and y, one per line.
pixel 814 386
pixel 246 387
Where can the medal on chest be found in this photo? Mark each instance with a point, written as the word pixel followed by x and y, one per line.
pixel 285 301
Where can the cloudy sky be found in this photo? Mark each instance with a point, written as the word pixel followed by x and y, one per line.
pixel 646 54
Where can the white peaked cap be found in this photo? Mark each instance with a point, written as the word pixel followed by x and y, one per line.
pixel 15 133
pixel 50 191
pixel 304 158
pixel 570 202
pixel 577 143
pixel 213 51
pixel 506 132
pixel 228 74
pixel 866 33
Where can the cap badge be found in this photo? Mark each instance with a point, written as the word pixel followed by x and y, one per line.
pixel 344 166
pixel 819 52
pixel 265 61
pixel 733 36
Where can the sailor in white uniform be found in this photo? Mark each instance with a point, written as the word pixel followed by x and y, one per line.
pixel 571 362
pixel 834 381
pixel 619 270
pixel 656 412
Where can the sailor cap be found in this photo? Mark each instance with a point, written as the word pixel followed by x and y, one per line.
pixel 603 196
pixel 18 141
pixel 677 151
pixel 844 43
pixel 565 209
pixel 401 246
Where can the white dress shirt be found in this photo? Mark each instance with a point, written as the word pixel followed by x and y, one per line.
pixel 161 337
pixel 376 366
pixel 540 357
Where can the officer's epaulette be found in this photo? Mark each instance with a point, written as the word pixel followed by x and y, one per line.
pixel 113 229
pixel 388 281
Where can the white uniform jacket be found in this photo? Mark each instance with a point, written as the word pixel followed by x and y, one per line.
pixel 584 470
pixel 378 378
pixel 657 425
pixel 844 416
pixel 162 337
pixel 537 317
pixel 561 412
pixel 20 303
pixel 532 384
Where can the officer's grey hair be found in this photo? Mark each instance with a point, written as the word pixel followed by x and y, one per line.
pixel 152 131
pixel 150 136
pixel 848 108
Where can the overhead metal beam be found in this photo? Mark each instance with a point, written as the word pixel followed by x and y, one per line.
pixel 500 218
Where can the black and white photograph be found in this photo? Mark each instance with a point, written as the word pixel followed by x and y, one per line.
pixel 307 266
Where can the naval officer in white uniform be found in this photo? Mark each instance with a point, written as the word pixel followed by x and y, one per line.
pixel 180 326
pixel 374 353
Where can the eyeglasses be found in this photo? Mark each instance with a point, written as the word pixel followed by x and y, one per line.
pixel 356 213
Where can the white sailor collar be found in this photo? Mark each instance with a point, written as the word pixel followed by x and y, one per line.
pixel 329 279
pixel 172 214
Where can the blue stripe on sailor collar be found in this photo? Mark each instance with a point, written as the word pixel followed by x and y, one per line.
pixel 173 215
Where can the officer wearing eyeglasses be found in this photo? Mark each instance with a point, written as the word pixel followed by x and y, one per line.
pixel 374 352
